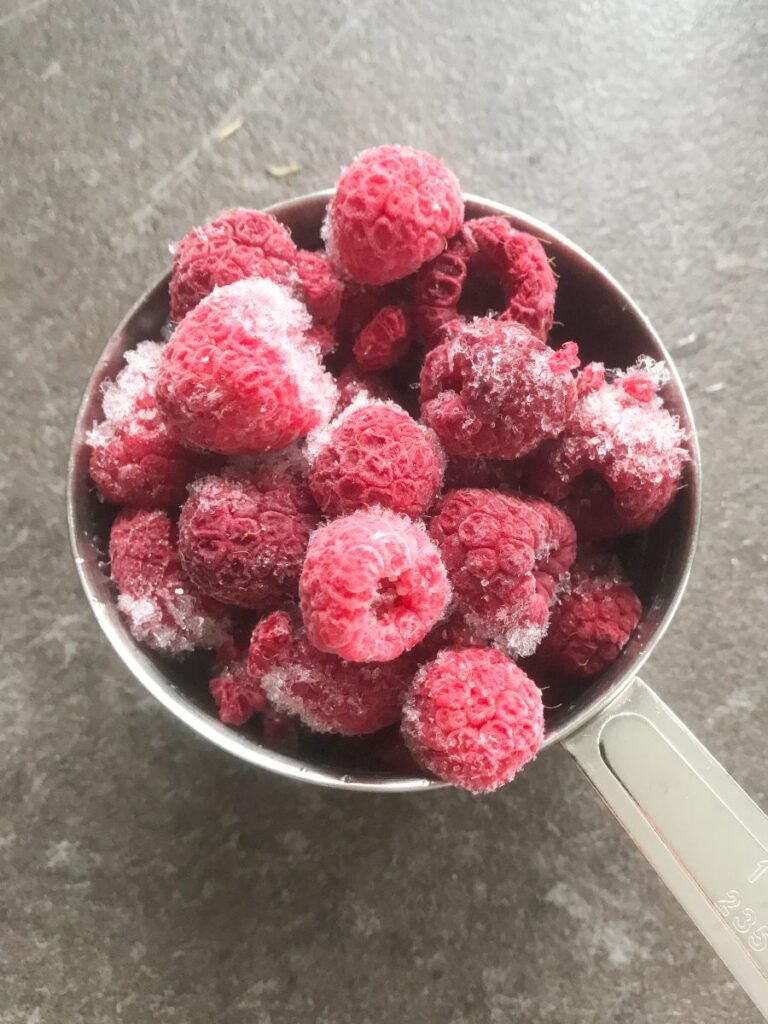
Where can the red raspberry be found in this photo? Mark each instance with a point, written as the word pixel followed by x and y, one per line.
pixel 393 209
pixel 592 620
pixel 359 305
pixel 372 586
pixel 487 266
pixel 374 454
pixel 328 694
pixel 238 374
pixel 321 288
pixel 238 698
pixel 494 390
pixel 617 466
pixel 354 384
pixel 473 718
pixel 242 536
pixel 504 555
pixel 239 243
pixel 163 609
pixel 134 460
pixel 384 340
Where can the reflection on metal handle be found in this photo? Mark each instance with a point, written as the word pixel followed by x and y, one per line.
pixel 697 827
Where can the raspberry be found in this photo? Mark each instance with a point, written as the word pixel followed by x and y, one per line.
pixel 494 390
pixel 162 607
pixel 488 265
pixel 134 460
pixel 591 622
pixel 372 586
pixel 617 466
pixel 353 384
pixel 384 340
pixel 238 698
pixel 239 243
pixel 322 290
pixel 242 536
pixel 328 694
pixel 473 718
pixel 238 374
pixel 504 554
pixel 393 209
pixel 374 454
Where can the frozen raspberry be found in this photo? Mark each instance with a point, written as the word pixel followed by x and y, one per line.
pixel 374 454
pixel 384 340
pixel 487 268
pixel 504 555
pixel 327 694
pixel 359 305
pixel 617 466
pixel 473 718
pixel 242 536
pixel 238 244
pixel 592 620
pixel 322 337
pixel 238 698
pixel 372 586
pixel 393 209
pixel 134 460
pixel 495 391
pixel 321 288
pixel 354 384
pixel 239 375
pixel 163 609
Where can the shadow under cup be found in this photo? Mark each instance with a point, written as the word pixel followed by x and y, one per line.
pixel 591 310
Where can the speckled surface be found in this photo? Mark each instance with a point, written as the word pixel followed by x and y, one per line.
pixel 145 876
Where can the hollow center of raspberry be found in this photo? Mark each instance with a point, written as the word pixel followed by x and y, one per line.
pixel 483 293
pixel 385 599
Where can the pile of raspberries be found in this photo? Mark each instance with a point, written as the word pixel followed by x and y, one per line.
pixel 364 479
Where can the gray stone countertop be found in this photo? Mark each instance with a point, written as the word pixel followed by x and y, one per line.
pixel 144 876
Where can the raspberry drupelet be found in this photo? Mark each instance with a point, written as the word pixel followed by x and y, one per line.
pixel 243 535
pixel 487 267
pixel 239 374
pixel 493 390
pixel 592 619
pixel 473 718
pixel 393 209
pixel 375 454
pixel 504 554
pixel 372 586
pixel 326 693
pixel 239 243
pixel 617 466
pixel 162 607
pixel 134 460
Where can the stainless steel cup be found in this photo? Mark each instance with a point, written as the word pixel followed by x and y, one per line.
pixel 696 826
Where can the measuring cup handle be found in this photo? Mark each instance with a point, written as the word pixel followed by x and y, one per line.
pixel 696 826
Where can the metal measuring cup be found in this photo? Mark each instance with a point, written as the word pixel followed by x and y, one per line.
pixel 698 828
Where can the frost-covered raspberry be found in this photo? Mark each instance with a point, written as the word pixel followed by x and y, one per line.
pixel 372 586
pixel 162 607
pixel 592 620
pixel 134 460
pixel 617 466
pixel 243 535
pixel 240 243
pixel 393 209
pixel 353 384
pixel 239 374
pixel 374 454
pixel 321 288
pixel 473 718
pixel 495 391
pixel 504 555
pixel 488 267
pixel 326 693
pixel 238 697
pixel 384 340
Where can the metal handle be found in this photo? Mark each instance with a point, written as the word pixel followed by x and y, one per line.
pixel 696 826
